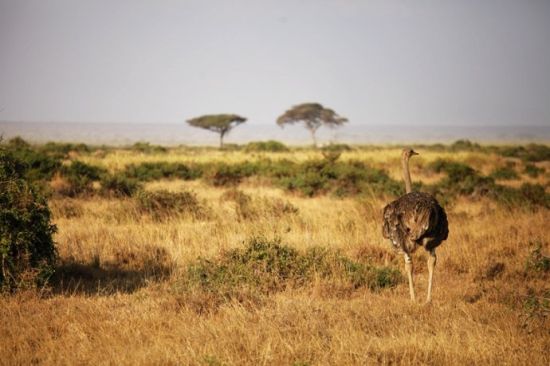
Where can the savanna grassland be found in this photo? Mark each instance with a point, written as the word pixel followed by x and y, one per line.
pixel 262 254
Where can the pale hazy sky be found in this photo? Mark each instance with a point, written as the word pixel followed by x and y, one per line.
pixel 376 62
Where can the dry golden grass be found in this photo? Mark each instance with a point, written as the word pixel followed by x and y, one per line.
pixel 117 303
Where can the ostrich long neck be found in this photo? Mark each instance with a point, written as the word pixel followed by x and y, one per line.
pixel 407 175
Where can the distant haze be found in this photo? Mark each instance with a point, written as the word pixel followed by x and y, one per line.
pixel 439 63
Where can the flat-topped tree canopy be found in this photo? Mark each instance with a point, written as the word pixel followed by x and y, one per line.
pixel 313 116
pixel 220 123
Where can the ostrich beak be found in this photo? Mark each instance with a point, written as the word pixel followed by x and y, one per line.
pixel 414 153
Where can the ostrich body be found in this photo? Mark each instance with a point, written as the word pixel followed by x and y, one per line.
pixel 413 220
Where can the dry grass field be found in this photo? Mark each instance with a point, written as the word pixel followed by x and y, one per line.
pixel 138 284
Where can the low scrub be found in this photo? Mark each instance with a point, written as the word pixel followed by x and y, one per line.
pixel 78 178
pixel 118 186
pixel 264 267
pixel 161 205
pixel 533 171
pixel 27 250
pixel 504 173
pixel 64 150
pixel 267 146
pixel 162 170
pixel 528 196
pixel 221 174
pixel 529 153
pixel 464 180
pixel 39 166
pixel 339 178
pixel 147 148
pixel 461 179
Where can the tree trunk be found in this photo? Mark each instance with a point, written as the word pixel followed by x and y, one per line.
pixel 221 139
pixel 313 130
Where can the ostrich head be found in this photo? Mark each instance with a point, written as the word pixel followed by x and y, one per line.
pixel 407 153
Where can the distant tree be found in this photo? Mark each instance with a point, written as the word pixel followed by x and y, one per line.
pixel 220 123
pixel 313 116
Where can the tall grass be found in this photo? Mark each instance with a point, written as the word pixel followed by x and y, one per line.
pixel 208 288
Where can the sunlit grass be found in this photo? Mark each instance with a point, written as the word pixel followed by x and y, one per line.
pixel 121 301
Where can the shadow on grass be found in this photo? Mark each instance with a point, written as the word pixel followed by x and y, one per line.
pixel 127 273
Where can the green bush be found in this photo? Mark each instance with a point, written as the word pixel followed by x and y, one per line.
pixel 38 165
pixel 18 142
pixel 147 148
pixel 221 174
pixel 464 144
pixel 160 170
pixel 529 196
pixel 504 173
pixel 80 177
pixel 339 178
pixel 162 204
pixel 118 186
pixel 530 153
pixel 265 266
pixel 27 251
pixel 270 146
pixel 62 150
pixel 533 171
pixel 461 180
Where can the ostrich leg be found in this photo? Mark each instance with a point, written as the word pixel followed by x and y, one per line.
pixel 408 269
pixel 432 259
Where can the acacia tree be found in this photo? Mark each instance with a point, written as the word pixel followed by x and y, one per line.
pixel 220 123
pixel 313 116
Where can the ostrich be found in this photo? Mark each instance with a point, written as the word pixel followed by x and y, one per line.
pixel 415 219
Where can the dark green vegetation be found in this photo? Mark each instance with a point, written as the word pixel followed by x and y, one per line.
pixel 533 171
pixel 27 251
pixel 328 174
pixel 504 173
pixel 463 180
pixel 267 266
pixel 162 170
pixel 161 205
pixel 530 153
pixel 269 146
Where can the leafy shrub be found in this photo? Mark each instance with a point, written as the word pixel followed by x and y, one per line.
pixel 62 150
pixel 339 178
pixel 530 153
pixel 464 144
pixel 265 267
pixel 27 251
pixel 271 146
pixel 80 177
pixel 18 142
pixel 163 204
pixel 529 196
pixel 221 174
pixel 118 186
pixel 38 165
pixel 504 173
pixel 461 179
pixel 159 170
pixel 533 171
pixel 147 148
